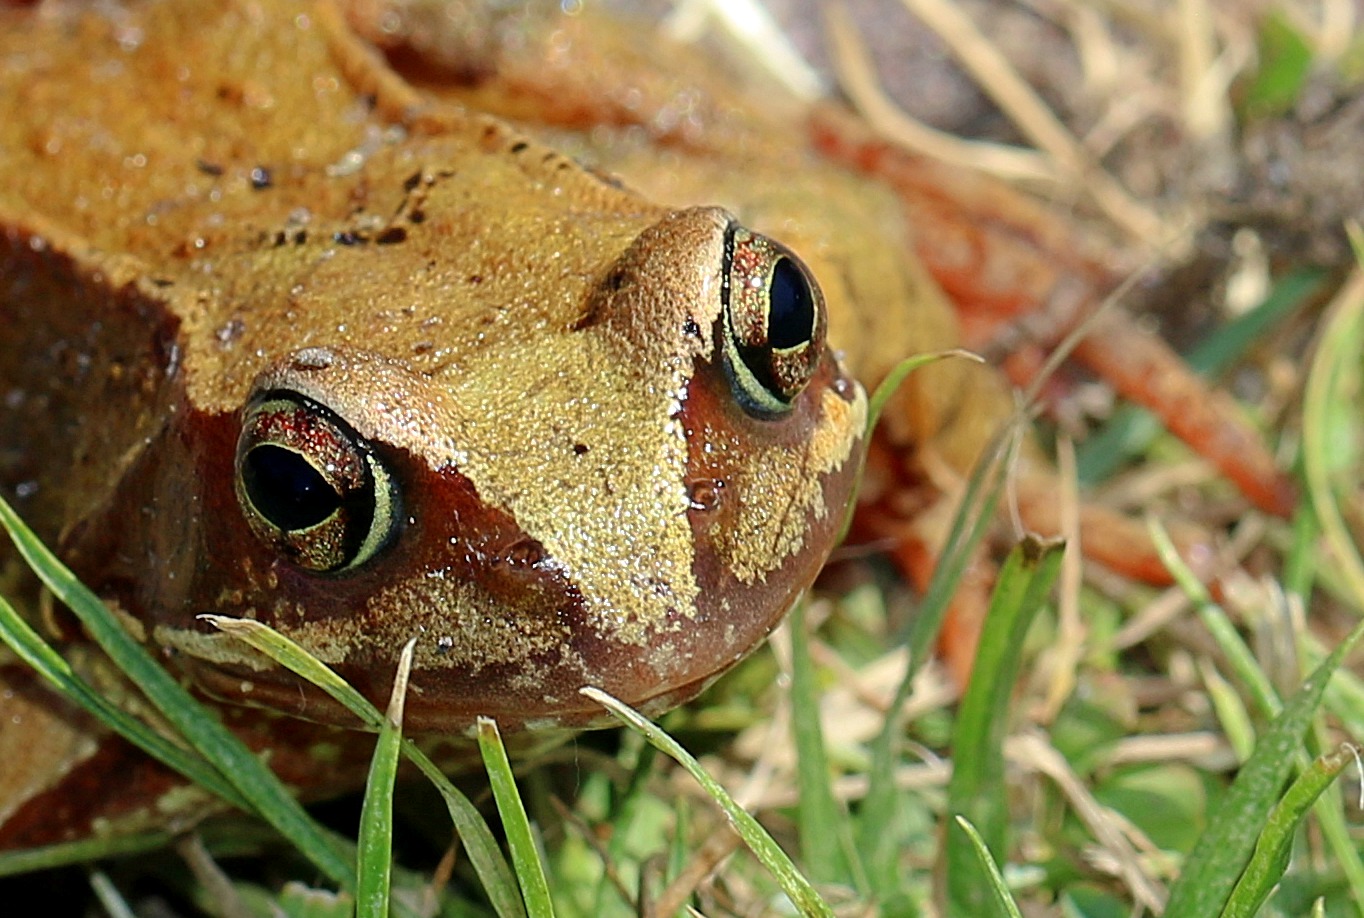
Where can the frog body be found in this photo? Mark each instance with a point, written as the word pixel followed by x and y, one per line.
pixel 273 352
pixel 501 333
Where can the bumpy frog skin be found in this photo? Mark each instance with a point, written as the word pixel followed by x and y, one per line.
pixel 365 384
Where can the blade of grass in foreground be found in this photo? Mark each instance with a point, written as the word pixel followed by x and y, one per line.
pixel 1275 843
pixel 1330 472
pixel 999 893
pixel 520 838
pixel 33 650
pixel 1248 671
pixel 796 886
pixel 977 788
pixel 496 875
pixel 876 838
pixel 374 852
pixel 255 783
pixel 1222 851
pixel 877 403
pixel 1239 656
pixel 13 863
pixel 1327 405
pixel 823 824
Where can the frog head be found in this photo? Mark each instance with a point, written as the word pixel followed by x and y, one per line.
pixel 615 460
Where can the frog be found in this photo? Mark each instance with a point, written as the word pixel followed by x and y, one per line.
pixel 369 383
pixel 501 333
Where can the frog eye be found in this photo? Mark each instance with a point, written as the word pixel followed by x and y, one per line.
pixel 775 321
pixel 310 486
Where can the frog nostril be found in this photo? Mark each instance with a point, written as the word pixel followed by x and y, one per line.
pixel 704 494
pixel 615 279
pixel 525 552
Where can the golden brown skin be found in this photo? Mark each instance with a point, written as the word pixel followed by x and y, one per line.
pixel 282 343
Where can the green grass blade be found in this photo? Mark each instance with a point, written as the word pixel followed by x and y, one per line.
pixel 970 523
pixel 255 783
pixel 374 853
pixel 1285 62
pixel 33 650
pixel 973 517
pixel 999 893
pixel 977 788
pixel 1330 810
pixel 626 809
pixel 1211 870
pixel 1275 844
pixel 818 814
pixel 877 404
pixel 13 863
pixel 896 377
pixel 498 879
pixel 1242 660
pixel 290 654
pixel 525 854
pixel 767 851
pixel 1234 340
pixel 1262 692
pixel 1328 399
pixel 678 848
pixel 1230 709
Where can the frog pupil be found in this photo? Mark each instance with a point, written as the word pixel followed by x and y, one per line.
pixel 286 489
pixel 791 309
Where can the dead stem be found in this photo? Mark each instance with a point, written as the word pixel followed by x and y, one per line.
pixel 858 78
pixel 1062 660
pixel 999 79
pixel 1117 836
